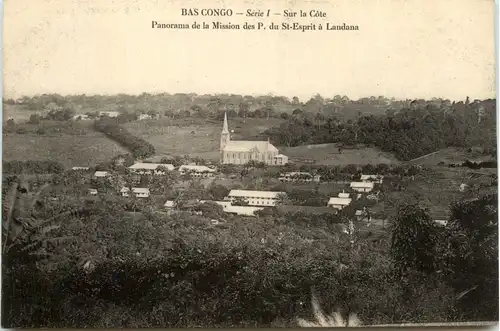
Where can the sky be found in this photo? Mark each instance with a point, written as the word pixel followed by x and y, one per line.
pixel 403 49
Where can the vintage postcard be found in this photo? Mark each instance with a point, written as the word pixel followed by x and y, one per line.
pixel 254 164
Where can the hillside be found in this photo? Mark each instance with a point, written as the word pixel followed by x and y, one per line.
pixel 328 154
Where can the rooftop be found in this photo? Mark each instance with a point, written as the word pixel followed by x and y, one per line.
pixel 362 185
pixel 135 189
pixel 339 201
pixel 197 168
pixel 152 166
pixel 254 194
pixel 169 203
pixel 101 173
pixel 248 146
pixel 365 177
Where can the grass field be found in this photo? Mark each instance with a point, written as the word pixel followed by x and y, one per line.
pixel 195 136
pixel 435 189
pixel 450 155
pixel 328 154
pixel 70 150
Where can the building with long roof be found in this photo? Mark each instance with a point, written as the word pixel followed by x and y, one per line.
pixel 243 151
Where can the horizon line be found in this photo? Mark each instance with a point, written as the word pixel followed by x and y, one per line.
pixel 255 95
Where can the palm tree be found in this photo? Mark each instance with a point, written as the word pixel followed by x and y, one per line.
pixel 333 320
pixel 26 236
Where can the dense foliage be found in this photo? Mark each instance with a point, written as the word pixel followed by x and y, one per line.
pixel 138 146
pixel 119 268
pixel 32 167
pixel 433 127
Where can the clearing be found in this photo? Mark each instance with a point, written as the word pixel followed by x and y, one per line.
pixel 70 150
pixel 328 154
pixel 451 155
pixel 196 137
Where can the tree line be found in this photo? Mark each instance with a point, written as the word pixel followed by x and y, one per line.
pixel 32 167
pixel 408 133
pixel 138 146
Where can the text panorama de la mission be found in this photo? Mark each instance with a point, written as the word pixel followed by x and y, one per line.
pixel 219 19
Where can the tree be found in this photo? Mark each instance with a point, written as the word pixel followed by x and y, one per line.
pixel 471 254
pixel 35 119
pixel 414 240
pixel 26 237
pixel 218 192
pixel 239 201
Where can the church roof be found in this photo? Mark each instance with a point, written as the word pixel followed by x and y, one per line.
pixel 248 146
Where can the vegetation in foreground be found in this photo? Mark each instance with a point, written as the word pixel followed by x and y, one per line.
pixel 106 268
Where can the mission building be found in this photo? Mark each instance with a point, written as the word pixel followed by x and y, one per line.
pixel 242 151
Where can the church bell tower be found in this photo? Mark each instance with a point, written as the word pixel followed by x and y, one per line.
pixel 225 136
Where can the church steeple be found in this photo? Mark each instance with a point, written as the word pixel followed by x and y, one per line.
pixel 225 136
pixel 225 128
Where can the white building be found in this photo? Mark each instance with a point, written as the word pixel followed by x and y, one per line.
pixel 139 192
pixel 101 174
pixel 299 176
pixel 109 113
pixel 80 168
pixel 82 117
pixel 441 222
pixel 255 198
pixel 243 151
pixel 144 117
pixel 343 195
pixel 197 170
pixel 372 178
pixel 227 207
pixel 363 187
pixel 339 203
pixel 151 168
pixel 92 191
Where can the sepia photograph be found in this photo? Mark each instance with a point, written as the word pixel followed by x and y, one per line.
pixel 243 164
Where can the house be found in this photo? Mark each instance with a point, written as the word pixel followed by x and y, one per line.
pixel 363 187
pixel 92 191
pixel 169 204
pixel 463 187
pixel 227 207
pixel 197 170
pixel 82 117
pixel 139 192
pixel 109 113
pixel 144 117
pixel 243 151
pixel 255 198
pixel 339 203
pixel 151 168
pixel 372 178
pixel 101 174
pixel 299 176
pixel 441 222
pixel 80 168
pixel 343 195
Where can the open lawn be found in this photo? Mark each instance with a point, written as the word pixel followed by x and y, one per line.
pixel 328 154
pixel 435 189
pixel 70 150
pixel 450 155
pixel 195 136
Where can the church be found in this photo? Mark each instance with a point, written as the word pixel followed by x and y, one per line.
pixel 242 151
